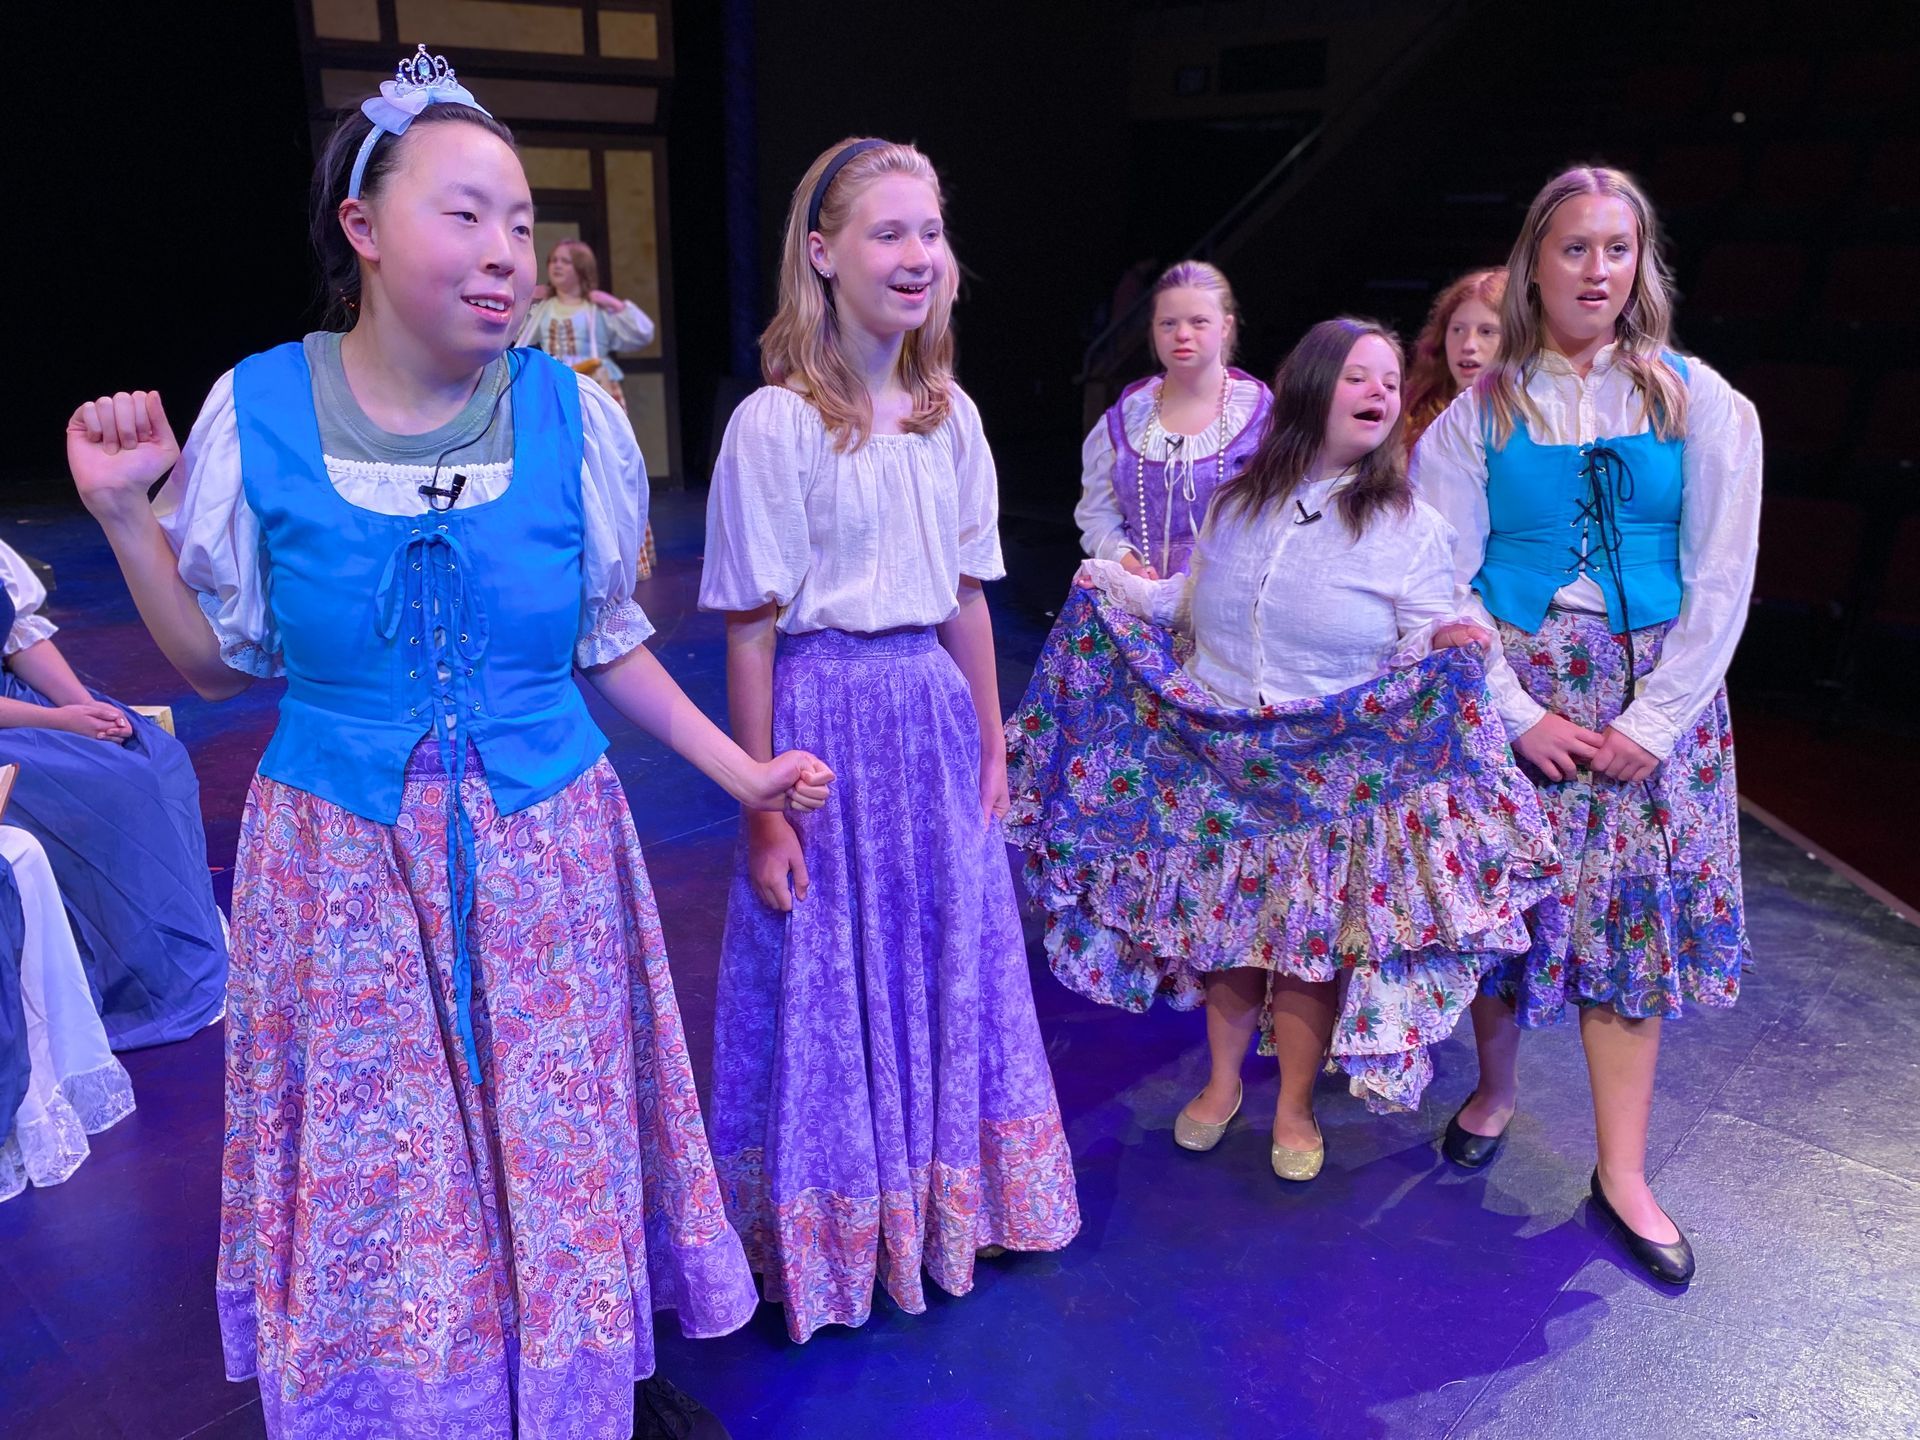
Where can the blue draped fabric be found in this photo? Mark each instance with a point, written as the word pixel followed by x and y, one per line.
pixel 14 1064
pixel 121 825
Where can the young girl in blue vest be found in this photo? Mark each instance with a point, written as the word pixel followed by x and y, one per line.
pixel 464 1160
pixel 1606 497
pixel 882 1104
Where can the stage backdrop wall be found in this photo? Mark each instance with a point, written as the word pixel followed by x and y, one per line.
pixel 585 87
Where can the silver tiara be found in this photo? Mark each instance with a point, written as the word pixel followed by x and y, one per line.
pixel 421 71
pixel 418 81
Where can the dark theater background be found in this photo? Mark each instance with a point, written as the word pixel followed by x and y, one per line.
pixel 1345 156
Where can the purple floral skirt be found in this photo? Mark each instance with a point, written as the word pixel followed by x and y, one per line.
pixel 403 1251
pixel 881 1098
pixel 1647 914
pixel 1383 832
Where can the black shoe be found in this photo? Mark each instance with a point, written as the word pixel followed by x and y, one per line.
pixel 1671 1264
pixel 663 1411
pixel 1467 1149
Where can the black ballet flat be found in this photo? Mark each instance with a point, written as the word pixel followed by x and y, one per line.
pixel 1669 1264
pixel 1466 1149
pixel 663 1411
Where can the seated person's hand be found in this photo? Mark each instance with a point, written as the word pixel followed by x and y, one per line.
pixel 95 719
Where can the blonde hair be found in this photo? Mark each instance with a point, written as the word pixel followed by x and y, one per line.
pixel 1199 275
pixel 1640 334
pixel 1430 383
pixel 801 348
pixel 586 269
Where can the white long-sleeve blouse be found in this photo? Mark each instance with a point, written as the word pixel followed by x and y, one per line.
pixel 1719 527
pixel 1281 611
pixel 585 332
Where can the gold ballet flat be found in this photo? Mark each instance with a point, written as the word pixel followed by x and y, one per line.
pixel 1191 1134
pixel 1300 1164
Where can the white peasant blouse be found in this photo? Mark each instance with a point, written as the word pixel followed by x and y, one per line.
pixel 204 513
pixel 862 540
pixel 1282 611
pixel 1719 528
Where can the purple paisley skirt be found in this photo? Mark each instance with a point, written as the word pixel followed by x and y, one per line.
pixel 403 1251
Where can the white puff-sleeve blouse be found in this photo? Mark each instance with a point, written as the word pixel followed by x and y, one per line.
pixel 204 513
pixel 865 540
pixel 30 627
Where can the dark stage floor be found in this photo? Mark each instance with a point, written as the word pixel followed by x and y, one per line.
pixel 1392 1297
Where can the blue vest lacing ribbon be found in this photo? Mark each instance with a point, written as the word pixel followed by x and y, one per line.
pixel 425 578
pixel 1609 485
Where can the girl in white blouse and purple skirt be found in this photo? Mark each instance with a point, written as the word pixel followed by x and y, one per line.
pixel 881 1098
pixel 1606 497
pixel 1314 792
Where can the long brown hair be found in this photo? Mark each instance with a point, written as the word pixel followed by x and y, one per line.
pixel 803 342
pixel 1640 334
pixel 1430 383
pixel 1303 389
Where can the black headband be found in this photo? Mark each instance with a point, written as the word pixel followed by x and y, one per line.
pixel 859 147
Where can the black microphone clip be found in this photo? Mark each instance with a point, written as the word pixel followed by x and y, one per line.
pixel 1304 518
pixel 434 495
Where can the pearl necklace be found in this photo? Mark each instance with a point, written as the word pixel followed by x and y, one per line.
pixel 1176 452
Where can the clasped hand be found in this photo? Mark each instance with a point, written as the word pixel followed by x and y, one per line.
pixel 1558 749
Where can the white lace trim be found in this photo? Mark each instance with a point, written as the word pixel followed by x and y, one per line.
pixel 102 1098
pixel 13 1169
pixel 619 628
pixel 237 651
pixel 47 1150
pixel 1148 439
pixel 390 488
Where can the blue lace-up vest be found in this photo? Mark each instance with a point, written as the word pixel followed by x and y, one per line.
pixel 1609 509
pixel 459 623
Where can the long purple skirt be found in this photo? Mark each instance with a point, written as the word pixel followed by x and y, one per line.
pixel 881 1098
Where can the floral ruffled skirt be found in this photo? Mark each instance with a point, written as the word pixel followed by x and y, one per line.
pixel 1384 832
pixel 1647 915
